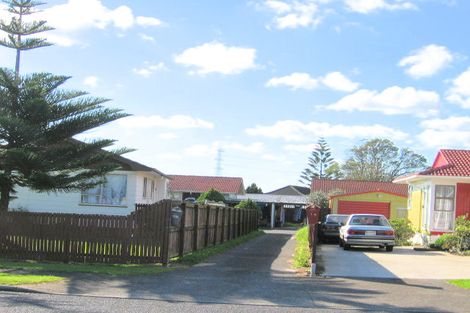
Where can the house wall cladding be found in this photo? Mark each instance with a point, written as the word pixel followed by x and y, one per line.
pixel 145 236
pixel 463 200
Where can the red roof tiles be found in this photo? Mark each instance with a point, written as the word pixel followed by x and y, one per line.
pixel 450 163
pixel 187 183
pixel 358 186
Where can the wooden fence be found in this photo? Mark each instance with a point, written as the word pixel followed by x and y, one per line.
pixel 151 234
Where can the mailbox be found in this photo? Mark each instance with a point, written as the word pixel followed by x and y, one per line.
pixel 313 215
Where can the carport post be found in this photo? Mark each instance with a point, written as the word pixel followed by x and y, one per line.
pixel 273 214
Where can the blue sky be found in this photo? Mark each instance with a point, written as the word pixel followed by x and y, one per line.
pixel 263 80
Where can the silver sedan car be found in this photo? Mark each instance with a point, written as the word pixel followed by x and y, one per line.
pixel 367 230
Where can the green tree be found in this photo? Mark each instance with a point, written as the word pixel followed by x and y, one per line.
pixel 253 189
pixel 211 195
pixel 318 163
pixel 38 121
pixel 247 204
pixel 320 199
pixel 380 160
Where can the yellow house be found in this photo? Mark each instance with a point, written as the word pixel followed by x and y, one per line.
pixel 439 194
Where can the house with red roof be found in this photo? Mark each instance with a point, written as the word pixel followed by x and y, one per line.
pixel 357 196
pixel 190 186
pixel 439 194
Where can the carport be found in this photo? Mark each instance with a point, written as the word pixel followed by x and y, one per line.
pixel 278 204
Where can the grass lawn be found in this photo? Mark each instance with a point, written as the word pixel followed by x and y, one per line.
pixel 462 283
pixel 201 255
pixel 20 279
pixel 103 269
pixel 302 252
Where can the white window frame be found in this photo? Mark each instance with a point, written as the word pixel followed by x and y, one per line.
pixel 144 188
pixel 434 204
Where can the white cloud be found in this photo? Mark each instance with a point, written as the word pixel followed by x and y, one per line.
pixel 168 136
pixel 150 69
pixel 294 81
pixel 146 21
pixel 452 132
pixel 146 37
pixel 291 130
pixel 215 57
pixel 295 14
pixel 459 93
pixel 427 61
pixel 333 80
pixel 391 101
pixel 74 16
pixel 338 81
pixel 91 81
pixel 172 122
pixel 369 6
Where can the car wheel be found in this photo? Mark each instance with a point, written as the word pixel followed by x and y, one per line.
pixel 341 243
pixel 389 248
pixel 346 246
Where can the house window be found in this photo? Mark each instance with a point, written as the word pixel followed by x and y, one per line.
pixel 112 192
pixel 144 189
pixel 444 208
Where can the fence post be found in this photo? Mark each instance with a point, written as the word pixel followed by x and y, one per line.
pixel 195 227
pixel 229 232
pixel 239 219
pixel 206 235
pixel 182 230
pixel 166 232
pixel 216 225
pixel 222 237
pixel 66 231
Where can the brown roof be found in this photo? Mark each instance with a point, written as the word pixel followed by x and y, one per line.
pixel 358 186
pixel 188 183
pixel 450 163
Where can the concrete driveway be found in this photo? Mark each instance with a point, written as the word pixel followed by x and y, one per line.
pixel 402 263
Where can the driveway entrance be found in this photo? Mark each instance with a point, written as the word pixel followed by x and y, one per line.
pixel 402 263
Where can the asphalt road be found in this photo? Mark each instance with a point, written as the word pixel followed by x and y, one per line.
pixel 254 277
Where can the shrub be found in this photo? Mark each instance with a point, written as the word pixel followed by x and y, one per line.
pixel 403 231
pixel 247 204
pixel 211 195
pixel 320 199
pixel 444 241
pixel 457 242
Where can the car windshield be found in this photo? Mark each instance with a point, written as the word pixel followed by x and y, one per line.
pixel 369 220
pixel 336 219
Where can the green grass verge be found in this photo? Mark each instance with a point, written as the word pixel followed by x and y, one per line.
pixel 21 279
pixel 302 251
pixel 462 283
pixel 103 269
pixel 201 255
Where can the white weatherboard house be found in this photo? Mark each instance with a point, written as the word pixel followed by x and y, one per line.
pixel 133 183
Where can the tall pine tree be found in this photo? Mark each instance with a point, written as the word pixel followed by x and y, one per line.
pixel 318 163
pixel 38 121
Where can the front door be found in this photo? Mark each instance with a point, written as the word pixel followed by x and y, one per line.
pixel 463 200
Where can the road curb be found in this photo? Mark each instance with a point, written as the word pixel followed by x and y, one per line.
pixel 18 289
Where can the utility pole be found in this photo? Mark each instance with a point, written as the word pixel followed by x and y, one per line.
pixel 218 162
